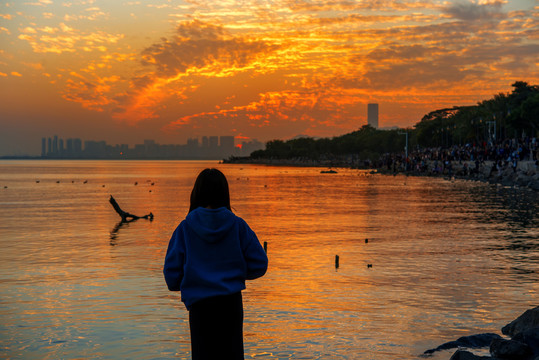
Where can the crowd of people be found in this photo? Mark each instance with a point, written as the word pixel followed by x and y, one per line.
pixel 504 153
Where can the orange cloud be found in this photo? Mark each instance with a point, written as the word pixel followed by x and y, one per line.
pixel 299 112
pixel 199 45
pixel 307 66
pixel 66 39
pixel 197 49
pixel 470 10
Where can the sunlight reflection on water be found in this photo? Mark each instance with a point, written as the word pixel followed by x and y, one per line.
pixel 448 259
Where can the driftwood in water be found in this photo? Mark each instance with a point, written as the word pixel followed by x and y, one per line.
pixel 125 215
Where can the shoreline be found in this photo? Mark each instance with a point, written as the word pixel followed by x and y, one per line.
pixel 524 175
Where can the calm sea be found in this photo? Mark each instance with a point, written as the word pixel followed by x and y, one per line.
pixel 449 258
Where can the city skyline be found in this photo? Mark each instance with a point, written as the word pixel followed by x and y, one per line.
pixel 157 69
pixel 209 147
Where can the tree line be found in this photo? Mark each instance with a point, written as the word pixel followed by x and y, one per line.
pixel 512 115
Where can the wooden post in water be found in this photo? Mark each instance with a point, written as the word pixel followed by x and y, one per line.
pixel 266 246
pixel 336 261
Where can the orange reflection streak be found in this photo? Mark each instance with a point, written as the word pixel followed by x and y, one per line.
pixel 302 280
pixel 65 279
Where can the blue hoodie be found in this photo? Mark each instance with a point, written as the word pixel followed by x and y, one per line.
pixel 212 252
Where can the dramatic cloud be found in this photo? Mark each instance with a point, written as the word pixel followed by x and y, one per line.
pixel 66 39
pixel 269 69
pixel 198 45
pixel 197 49
pixel 470 10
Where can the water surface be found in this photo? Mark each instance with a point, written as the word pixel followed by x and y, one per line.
pixel 449 258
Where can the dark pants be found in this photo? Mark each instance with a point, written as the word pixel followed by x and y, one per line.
pixel 216 326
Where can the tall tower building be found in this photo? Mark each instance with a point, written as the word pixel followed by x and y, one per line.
pixel 43 147
pixel 77 146
pixel 214 142
pixel 205 142
pixel 69 147
pixel 226 143
pixel 372 115
pixel 55 145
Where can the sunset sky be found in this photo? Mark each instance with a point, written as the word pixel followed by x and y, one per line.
pixel 124 71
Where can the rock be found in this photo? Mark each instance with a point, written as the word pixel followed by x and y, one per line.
pixel 528 320
pixel 509 349
pixel 472 341
pixel 530 337
pixel 534 185
pixel 522 179
pixel 466 355
pixel 507 172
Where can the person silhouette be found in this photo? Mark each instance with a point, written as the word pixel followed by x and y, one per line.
pixel 211 254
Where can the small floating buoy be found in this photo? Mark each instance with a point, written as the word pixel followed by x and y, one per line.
pixel 85 182
pixel 72 181
pixel 37 181
pixel 103 186
pixel 369 266
pixel 136 183
pixel 366 241
pixel 5 187
pixel 336 261
pixel 266 246
pixel 58 181
pixel 150 191
pixel 153 184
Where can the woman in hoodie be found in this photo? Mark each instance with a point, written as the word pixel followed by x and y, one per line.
pixel 210 255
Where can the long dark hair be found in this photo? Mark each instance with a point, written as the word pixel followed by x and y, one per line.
pixel 210 190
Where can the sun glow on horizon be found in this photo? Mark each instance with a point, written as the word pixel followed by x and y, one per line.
pixel 267 70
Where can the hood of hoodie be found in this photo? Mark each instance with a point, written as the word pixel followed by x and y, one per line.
pixel 211 224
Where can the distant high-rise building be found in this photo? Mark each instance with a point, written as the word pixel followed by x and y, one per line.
pixel 44 147
pixel 61 146
pixel 95 149
pixel 55 145
pixel 214 142
pixel 152 148
pixel 226 143
pixel 49 146
pixel 205 142
pixel 192 147
pixel 372 115
pixel 192 142
pixel 69 147
pixel 77 146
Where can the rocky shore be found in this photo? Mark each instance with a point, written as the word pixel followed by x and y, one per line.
pixel 524 175
pixel 522 342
